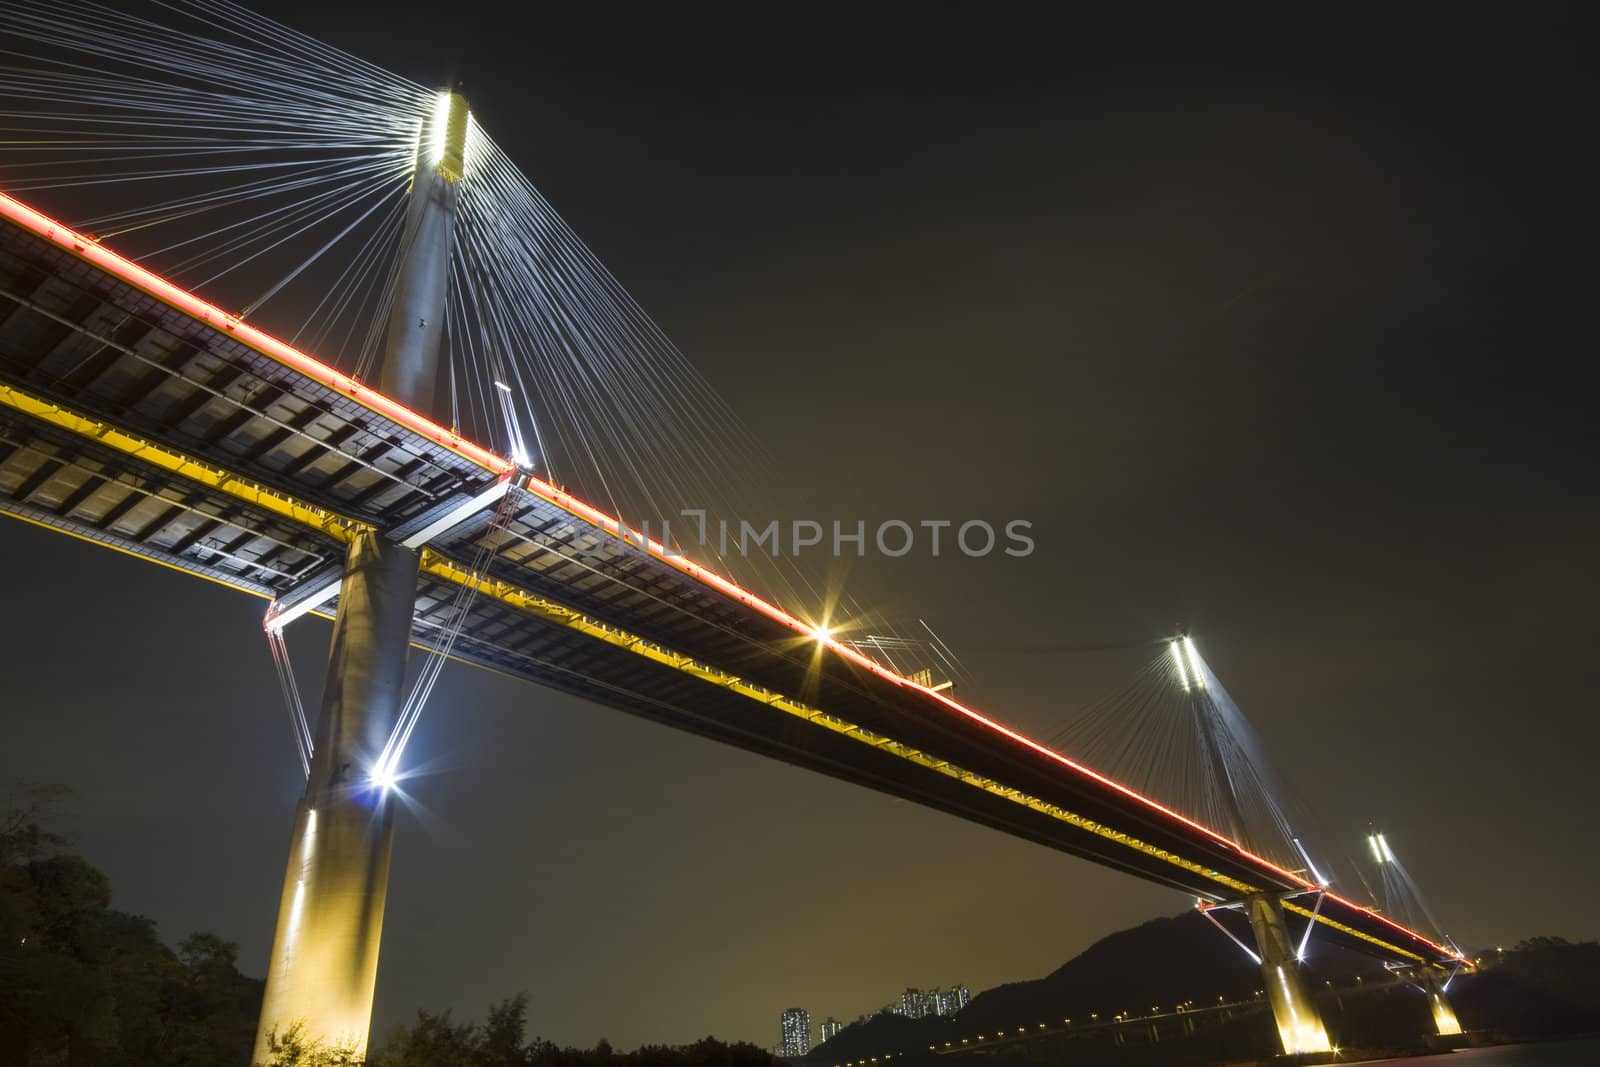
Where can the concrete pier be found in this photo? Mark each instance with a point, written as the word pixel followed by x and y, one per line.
pixel 1299 1025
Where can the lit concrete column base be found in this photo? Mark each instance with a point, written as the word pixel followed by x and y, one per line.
pixel 1445 1023
pixel 1299 1026
pixel 324 963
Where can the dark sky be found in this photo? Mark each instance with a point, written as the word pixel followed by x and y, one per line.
pixel 1270 322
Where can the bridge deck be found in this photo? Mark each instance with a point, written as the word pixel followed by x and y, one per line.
pixel 136 416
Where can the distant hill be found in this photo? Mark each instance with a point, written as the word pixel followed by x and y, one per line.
pixel 1158 963
pixel 1543 988
pixel 1155 964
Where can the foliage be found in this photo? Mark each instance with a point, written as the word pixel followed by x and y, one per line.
pixel 433 1040
pixel 1543 941
pixel 294 1048
pixel 83 983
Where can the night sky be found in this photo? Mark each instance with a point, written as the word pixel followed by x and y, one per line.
pixel 1271 323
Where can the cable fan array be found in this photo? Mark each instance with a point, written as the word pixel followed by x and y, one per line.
pixel 1175 734
pixel 1398 893
pixel 268 170
pixel 205 143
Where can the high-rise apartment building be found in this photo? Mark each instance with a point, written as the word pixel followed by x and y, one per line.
pixel 796 1033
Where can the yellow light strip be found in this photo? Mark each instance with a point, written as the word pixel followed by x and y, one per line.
pixel 444 569
pixel 335 526
pixel 343 529
pixel 89 250
pixel 449 134
pixel 1352 931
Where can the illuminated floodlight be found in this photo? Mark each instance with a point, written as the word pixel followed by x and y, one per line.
pixel 1183 672
pixel 437 128
pixel 448 131
pixel 1383 845
pixel 384 778
pixel 1194 663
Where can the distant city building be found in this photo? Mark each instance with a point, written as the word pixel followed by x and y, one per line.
pixel 831 1027
pixel 796 1032
pixel 921 1003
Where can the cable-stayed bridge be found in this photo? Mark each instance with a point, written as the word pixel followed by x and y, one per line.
pixel 138 416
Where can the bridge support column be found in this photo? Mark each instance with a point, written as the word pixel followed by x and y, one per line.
pixel 324 964
pixel 1299 1026
pixel 1445 1023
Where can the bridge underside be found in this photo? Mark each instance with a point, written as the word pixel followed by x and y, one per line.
pixel 131 422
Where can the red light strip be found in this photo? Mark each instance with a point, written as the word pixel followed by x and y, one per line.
pixel 88 249
pixel 595 516
pixel 570 503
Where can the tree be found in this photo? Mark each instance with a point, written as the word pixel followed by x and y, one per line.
pixel 1543 941
pixel 433 1041
pixel 213 1007
pixel 85 983
pixel 504 1033
pixel 21 836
